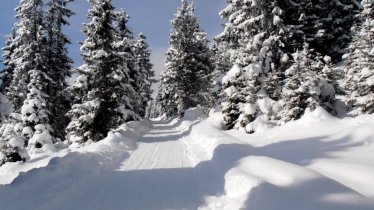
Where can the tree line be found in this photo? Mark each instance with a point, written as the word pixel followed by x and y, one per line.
pixel 274 60
pixel 113 85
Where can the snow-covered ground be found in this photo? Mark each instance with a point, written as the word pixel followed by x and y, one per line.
pixel 318 162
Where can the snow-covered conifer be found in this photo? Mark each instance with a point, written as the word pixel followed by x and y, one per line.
pixel 359 79
pixel 188 63
pixel 8 62
pixel 254 33
pixel 238 107
pixel 222 64
pixel 143 62
pixel 59 64
pixel 35 115
pixel 103 83
pixel 12 145
pixel 323 24
pixel 131 74
pixel 293 93
pixel 30 21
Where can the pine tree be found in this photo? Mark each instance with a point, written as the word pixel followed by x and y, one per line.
pixel 8 51
pixel 323 24
pixel 30 21
pixel 222 64
pixel 142 60
pixel 293 93
pixel 130 70
pixel 34 113
pixel 360 64
pixel 305 87
pixel 12 145
pixel 59 64
pixel 187 78
pixel 167 97
pixel 254 33
pixel 103 84
pixel 238 107
pixel 29 82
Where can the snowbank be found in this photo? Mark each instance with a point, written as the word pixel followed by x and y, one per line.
pixel 115 146
pixel 317 162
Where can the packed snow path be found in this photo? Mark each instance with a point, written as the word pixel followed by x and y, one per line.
pixel 159 148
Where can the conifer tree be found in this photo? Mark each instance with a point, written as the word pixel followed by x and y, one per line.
pixel 323 24
pixel 238 107
pixel 222 64
pixel 30 21
pixel 103 84
pixel 359 79
pixel 142 60
pixel 12 145
pixel 255 32
pixel 8 51
pixel 59 64
pixel 29 125
pixel 186 81
pixel 293 93
pixel 130 70
pixel 167 97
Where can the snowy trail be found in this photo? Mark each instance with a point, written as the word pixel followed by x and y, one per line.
pixel 156 175
pixel 160 148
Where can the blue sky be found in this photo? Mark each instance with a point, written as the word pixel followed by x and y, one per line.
pixel 152 17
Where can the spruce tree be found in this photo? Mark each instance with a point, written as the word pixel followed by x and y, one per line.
pixel 186 81
pixel 293 92
pixel 142 60
pixel 29 125
pixel 59 64
pixel 12 145
pixel 130 70
pixel 254 33
pixel 167 97
pixel 8 51
pixel 222 64
pixel 103 84
pixel 30 21
pixel 360 64
pixel 323 24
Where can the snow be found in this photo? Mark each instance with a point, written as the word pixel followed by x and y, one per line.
pixel 317 162
pixel 234 72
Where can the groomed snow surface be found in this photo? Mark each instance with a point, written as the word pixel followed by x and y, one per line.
pixel 316 163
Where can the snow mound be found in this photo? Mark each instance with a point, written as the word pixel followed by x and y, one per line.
pixel 317 162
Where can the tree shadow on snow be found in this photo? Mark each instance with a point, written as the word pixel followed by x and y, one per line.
pixel 167 135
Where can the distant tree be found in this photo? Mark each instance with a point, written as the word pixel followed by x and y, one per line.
pixel 143 61
pixel 187 79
